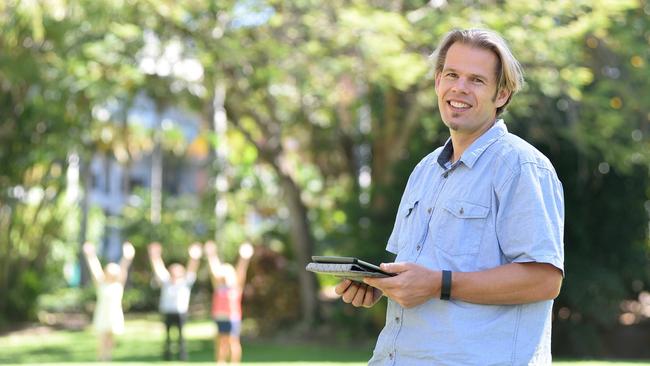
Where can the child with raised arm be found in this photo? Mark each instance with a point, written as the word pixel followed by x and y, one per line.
pixel 176 285
pixel 228 286
pixel 108 319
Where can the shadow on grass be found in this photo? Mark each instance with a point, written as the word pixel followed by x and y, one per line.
pixel 257 352
pixel 41 354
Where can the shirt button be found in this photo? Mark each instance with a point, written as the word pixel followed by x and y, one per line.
pixel 397 319
pixel 418 248
pixel 390 355
pixel 429 210
pixel 461 211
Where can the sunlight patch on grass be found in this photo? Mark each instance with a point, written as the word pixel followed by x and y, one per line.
pixel 201 330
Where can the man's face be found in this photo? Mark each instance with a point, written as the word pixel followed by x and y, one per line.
pixel 466 90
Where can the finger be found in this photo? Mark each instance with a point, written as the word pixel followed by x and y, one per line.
pixel 361 294
pixel 379 283
pixel 342 287
pixel 350 293
pixel 369 298
pixel 394 267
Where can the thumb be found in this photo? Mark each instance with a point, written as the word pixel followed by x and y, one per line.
pixel 394 267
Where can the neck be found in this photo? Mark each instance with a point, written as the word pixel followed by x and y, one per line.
pixel 461 141
pixel 460 144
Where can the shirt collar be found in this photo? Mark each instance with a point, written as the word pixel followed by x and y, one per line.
pixel 476 149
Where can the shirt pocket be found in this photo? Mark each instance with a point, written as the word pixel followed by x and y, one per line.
pixel 460 227
pixel 413 224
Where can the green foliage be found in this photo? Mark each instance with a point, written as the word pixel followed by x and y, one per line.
pixel 34 244
pixel 67 300
pixel 607 234
pixel 177 229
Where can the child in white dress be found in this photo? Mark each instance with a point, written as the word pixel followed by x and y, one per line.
pixel 108 319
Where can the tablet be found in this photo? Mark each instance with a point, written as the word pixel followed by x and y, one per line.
pixel 346 267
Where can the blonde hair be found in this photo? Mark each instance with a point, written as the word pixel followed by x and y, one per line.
pixel 509 74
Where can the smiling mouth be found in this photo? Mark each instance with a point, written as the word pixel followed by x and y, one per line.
pixel 458 106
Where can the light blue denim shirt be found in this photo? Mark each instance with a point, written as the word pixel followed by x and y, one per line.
pixel 500 203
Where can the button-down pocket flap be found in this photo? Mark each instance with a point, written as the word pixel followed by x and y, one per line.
pixel 466 210
pixel 410 207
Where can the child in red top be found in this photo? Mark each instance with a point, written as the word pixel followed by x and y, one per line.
pixel 228 284
pixel 226 301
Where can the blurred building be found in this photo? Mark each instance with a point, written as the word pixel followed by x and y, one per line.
pixel 111 182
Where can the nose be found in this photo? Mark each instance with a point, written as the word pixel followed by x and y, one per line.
pixel 460 85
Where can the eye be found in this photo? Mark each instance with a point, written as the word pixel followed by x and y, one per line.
pixel 478 81
pixel 451 75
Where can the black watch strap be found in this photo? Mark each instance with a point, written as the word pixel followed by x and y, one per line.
pixel 445 290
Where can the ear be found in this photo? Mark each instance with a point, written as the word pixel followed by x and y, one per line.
pixel 502 98
pixel 437 82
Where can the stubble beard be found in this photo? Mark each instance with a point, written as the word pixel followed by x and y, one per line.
pixel 451 125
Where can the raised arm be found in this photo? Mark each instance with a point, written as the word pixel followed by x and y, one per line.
pixel 155 256
pixel 245 253
pixel 96 271
pixel 210 249
pixel 195 252
pixel 128 252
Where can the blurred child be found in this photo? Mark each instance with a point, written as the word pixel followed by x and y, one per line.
pixel 108 319
pixel 228 285
pixel 175 293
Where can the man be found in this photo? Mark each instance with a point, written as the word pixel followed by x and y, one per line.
pixel 479 230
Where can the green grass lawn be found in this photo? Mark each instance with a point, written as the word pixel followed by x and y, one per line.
pixel 143 340
pixel 142 345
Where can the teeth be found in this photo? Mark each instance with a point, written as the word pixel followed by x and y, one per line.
pixel 456 104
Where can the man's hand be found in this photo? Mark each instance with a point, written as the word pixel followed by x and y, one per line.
pixel 358 294
pixel 413 285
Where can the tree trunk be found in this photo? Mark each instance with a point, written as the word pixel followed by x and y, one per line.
pixel 300 229
pixel 303 245
pixel 157 171
pixel 220 126
pixel 84 180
